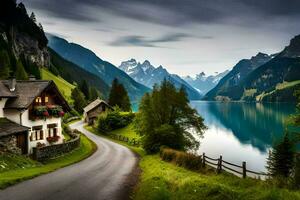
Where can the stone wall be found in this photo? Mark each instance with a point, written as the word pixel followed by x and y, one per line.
pixel 9 144
pixel 48 152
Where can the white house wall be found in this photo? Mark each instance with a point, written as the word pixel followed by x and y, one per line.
pixel 42 122
pixel 14 115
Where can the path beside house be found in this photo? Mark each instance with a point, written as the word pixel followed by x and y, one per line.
pixel 107 175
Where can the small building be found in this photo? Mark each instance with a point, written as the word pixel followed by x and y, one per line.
pixel 30 114
pixel 94 109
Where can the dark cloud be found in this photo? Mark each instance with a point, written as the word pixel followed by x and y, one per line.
pixel 141 41
pixel 172 12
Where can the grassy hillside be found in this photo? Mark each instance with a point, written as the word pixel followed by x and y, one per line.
pixel 282 92
pixel 73 73
pixel 64 86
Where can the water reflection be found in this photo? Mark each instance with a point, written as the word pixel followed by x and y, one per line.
pixel 242 131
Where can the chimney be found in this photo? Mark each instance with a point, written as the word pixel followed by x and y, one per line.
pixel 12 84
pixel 32 78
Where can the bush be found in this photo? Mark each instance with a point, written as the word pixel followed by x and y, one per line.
pixel 297 172
pixel 164 135
pixel 66 129
pixel 114 120
pixel 182 159
pixel 69 116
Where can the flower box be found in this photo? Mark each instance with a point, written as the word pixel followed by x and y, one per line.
pixel 53 139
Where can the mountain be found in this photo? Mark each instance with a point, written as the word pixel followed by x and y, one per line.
pixel 148 75
pixel 271 78
pixel 204 83
pixel 277 79
pixel 88 61
pixel 24 43
pixel 230 85
pixel 21 39
pixel 73 73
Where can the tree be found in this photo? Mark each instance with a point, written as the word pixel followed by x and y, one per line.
pixel 79 100
pixel 118 96
pixel 4 65
pixel 41 27
pixel 94 93
pixel 31 67
pixel 20 72
pixel 84 87
pixel 165 118
pixel 32 17
pixel 281 159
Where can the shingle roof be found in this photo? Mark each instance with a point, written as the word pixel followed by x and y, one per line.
pixel 8 127
pixel 95 104
pixel 4 91
pixel 26 91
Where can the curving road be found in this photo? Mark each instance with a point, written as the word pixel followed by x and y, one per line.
pixel 108 174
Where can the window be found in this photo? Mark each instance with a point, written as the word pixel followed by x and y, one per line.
pixel 38 100
pixel 37 133
pixel 46 99
pixel 55 132
pixel 41 134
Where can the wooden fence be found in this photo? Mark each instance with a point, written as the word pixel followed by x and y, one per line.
pixel 221 164
pixel 122 138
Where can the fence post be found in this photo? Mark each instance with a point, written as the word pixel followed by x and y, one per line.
pixel 244 170
pixel 203 159
pixel 219 169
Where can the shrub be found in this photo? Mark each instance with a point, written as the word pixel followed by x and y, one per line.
pixel 66 129
pixel 182 159
pixel 297 172
pixel 164 135
pixel 113 120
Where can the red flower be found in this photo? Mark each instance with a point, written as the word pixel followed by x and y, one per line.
pixel 46 114
pixel 53 139
pixel 61 113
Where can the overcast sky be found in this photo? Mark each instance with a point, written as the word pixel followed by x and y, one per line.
pixel 184 36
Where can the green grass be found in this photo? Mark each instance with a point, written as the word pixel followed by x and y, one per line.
pixel 279 86
pixel 284 85
pixel 128 131
pixel 64 87
pixel 20 173
pixel 67 137
pixel 161 180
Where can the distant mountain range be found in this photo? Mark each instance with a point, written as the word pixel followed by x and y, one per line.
pixel 204 83
pixel 262 78
pixel 148 75
pixel 89 61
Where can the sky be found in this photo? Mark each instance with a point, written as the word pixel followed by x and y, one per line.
pixel 186 37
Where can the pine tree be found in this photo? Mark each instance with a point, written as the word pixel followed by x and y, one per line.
pixel 84 87
pixel 4 65
pixel 41 27
pixel 32 17
pixel 79 100
pixel 281 158
pixel 297 171
pixel 94 93
pixel 118 96
pixel 20 72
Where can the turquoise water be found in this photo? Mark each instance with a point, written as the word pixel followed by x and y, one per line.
pixel 242 131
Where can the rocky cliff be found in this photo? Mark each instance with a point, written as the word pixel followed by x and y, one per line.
pixel 21 35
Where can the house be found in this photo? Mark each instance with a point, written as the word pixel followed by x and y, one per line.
pixel 30 114
pixel 94 109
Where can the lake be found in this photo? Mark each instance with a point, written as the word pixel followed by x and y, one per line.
pixel 242 131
